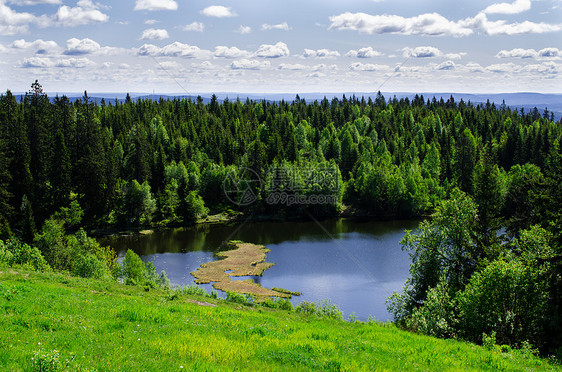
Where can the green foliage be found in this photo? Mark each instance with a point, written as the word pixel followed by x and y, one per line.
pixel 437 316
pixel 14 252
pixel 193 207
pixel 133 269
pixel 325 309
pixel 399 157
pixel 135 272
pixel 443 248
pixel 507 298
pixel 237 298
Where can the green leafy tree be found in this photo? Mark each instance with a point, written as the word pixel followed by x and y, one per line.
pixel 465 159
pixel 443 247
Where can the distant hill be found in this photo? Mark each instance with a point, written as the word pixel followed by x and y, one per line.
pixel 525 100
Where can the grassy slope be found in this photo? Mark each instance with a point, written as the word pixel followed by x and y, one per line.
pixel 108 326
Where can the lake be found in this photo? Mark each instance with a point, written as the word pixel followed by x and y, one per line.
pixel 356 264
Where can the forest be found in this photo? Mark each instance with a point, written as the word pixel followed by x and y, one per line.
pixel 485 266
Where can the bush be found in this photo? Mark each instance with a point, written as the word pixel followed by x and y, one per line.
pixel 237 298
pixel 89 266
pixel 507 298
pixel 437 315
pixel 133 269
pixel 5 254
pixel 307 308
pixel 52 243
pixel 327 309
pixel 16 253
pixel 135 272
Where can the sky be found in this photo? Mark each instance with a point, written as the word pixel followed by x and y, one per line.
pixel 289 46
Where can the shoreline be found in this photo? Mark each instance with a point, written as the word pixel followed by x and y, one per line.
pixel 348 212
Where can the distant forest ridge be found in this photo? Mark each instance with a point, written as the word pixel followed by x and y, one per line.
pixel 526 100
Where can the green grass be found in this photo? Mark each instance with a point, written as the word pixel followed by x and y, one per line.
pixel 57 321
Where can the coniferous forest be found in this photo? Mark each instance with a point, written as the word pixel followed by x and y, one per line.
pixel 486 264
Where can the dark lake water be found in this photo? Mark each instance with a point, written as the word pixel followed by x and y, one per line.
pixel 355 264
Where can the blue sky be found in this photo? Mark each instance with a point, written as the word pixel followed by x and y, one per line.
pixel 179 46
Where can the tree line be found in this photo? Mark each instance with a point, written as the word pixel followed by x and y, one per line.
pixel 145 161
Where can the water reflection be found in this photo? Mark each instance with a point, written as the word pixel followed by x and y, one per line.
pixel 357 265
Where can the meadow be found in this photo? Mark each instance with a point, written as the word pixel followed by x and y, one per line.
pixel 53 321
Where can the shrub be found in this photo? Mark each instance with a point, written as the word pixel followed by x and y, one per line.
pixel 17 253
pixel 89 266
pixel 506 297
pixel 53 245
pixel 135 272
pixel 437 316
pixel 5 254
pixel 236 298
pixel 327 309
pixel 133 269
pixel 307 308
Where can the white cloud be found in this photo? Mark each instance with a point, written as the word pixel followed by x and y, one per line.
pixel 516 7
pixel 293 67
pixel 550 53
pixel 324 67
pixel 154 34
pixel 316 75
pixel 429 24
pixel 37 62
pixel 367 52
pixel 475 67
pixel 517 53
pixel 233 52
pixel 421 52
pixel 34 2
pixel 152 5
pixel 42 62
pixel 447 65
pixel 281 26
pixel 546 53
pixel 358 66
pixel 502 68
pixel 151 21
pixel 249 64
pixel 218 11
pixel 40 46
pixel 195 26
pixel 273 51
pixel 501 27
pixel 243 30
pixel 320 53
pixel 84 13
pixel 455 55
pixel 74 63
pixel 545 68
pixel 76 46
pixel 205 65
pixel 434 24
pixel 175 49
pixel 12 22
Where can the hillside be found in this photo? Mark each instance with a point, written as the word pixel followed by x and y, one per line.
pixel 77 324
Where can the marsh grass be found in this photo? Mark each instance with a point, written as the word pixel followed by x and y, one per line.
pixel 52 320
pixel 244 259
